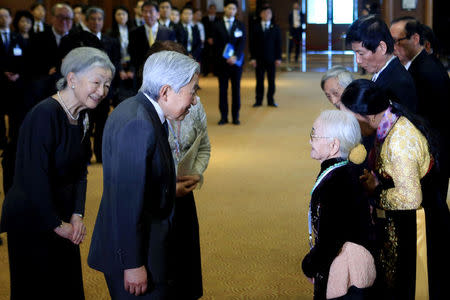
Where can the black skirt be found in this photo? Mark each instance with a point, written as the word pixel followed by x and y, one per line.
pixel 44 265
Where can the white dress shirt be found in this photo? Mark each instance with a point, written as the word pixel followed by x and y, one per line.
pixel 154 29
pixel 158 109
pixel 408 64
pixel 375 76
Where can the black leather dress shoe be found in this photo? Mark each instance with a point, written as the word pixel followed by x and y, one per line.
pixel 223 122
pixel 236 122
pixel 273 104
pixel 257 104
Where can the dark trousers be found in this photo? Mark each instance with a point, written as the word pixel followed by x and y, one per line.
pixel 261 68
pixel 296 40
pixel 233 74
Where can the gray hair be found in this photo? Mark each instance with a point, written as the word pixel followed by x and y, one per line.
pixel 94 10
pixel 83 59
pixel 343 76
pixel 167 68
pixel 341 125
pixel 60 5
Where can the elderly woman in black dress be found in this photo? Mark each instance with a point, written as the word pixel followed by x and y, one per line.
pixel 339 213
pixel 43 211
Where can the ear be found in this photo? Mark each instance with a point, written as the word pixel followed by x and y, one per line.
pixel 416 38
pixel 383 47
pixel 163 92
pixel 335 145
pixel 71 79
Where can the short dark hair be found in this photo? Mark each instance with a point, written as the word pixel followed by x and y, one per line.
pixel 364 97
pixel 187 7
pixel 412 26
pixel 36 4
pixel 370 31
pixel 428 35
pixel 228 2
pixel 162 1
pixel 19 15
pixel 83 7
pixel 150 3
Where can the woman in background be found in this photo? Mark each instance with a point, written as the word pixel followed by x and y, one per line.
pixel 23 23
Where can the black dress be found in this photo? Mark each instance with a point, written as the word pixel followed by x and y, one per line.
pixel 49 186
pixel 339 214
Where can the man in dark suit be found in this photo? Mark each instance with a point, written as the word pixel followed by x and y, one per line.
pixel 144 36
pixel 43 56
pixel 208 52
pixel 138 20
pixel 38 11
pixel 431 80
pixel 231 32
pixel 188 34
pixel 296 20
pixel 132 242
pixel 374 46
pixel 265 51
pixel 165 10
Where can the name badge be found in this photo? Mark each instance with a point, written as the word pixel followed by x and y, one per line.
pixel 17 51
pixel 237 33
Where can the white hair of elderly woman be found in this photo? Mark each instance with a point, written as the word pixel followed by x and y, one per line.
pixel 341 125
pixel 83 59
pixel 343 76
pixel 167 68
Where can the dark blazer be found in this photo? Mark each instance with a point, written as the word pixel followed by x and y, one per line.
pixel 209 25
pixel 291 22
pixel 42 53
pixel 265 45
pixel 138 44
pixel 182 38
pixel 133 226
pixel 10 61
pixel 398 85
pixel 221 37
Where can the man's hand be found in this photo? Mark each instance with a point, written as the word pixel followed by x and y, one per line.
pixel 130 75
pixel 123 75
pixel 52 71
pixel 65 230
pixel 79 229
pixel 186 184
pixel 369 181
pixel 232 60
pixel 277 63
pixel 210 41
pixel 253 63
pixel 135 280
pixel 12 76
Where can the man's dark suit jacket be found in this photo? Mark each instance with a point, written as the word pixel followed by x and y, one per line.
pixel 138 44
pixel 209 25
pixel 182 38
pixel 291 23
pixel 398 85
pixel 133 225
pixel 265 45
pixel 221 37
pixel 433 91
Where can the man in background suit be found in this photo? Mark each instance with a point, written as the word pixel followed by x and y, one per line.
pixel 43 57
pixel 187 34
pixel 296 20
pixel 265 51
pixel 431 80
pixel 38 11
pixel 132 242
pixel 228 30
pixel 165 10
pixel 138 20
pixel 208 52
pixel 144 36
pixel 376 56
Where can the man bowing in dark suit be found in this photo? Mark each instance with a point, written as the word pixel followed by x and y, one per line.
pixel 374 46
pixel 132 242
pixel 265 51
pixel 230 33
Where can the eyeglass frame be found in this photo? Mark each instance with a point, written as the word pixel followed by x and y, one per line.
pixel 313 136
pixel 400 39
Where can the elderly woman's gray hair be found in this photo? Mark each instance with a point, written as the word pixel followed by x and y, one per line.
pixel 83 59
pixel 167 68
pixel 93 10
pixel 343 76
pixel 343 126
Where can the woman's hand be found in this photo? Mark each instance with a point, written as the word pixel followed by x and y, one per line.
pixel 369 181
pixel 65 230
pixel 79 229
pixel 186 184
pixel 135 280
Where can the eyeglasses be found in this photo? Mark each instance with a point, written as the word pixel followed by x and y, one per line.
pixel 314 136
pixel 64 18
pixel 400 39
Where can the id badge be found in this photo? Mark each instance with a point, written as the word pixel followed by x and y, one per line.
pixel 237 33
pixel 17 51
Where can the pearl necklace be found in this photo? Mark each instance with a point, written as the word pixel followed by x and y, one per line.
pixel 66 109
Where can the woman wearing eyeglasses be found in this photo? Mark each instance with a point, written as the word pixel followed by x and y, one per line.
pixel 339 213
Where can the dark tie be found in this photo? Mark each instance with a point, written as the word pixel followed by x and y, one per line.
pixel 5 40
pixel 166 127
pixel 229 26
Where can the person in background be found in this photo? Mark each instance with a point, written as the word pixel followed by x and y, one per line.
pixel 22 24
pixel 265 51
pixel 208 52
pixel 175 15
pixel 229 32
pixel 133 240
pixel 197 20
pixel 120 30
pixel 43 211
pixel 296 20
pixel 38 11
pixel 138 19
pixel 333 83
pixel 188 34
pixel 412 216
pixel 165 10
pixel 79 18
pixel 373 45
pixel 338 216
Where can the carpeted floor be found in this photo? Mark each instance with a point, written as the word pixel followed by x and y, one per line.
pixel 253 205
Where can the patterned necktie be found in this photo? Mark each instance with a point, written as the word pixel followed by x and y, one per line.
pixel 151 38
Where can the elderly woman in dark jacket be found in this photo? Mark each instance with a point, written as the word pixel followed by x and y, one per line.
pixel 339 216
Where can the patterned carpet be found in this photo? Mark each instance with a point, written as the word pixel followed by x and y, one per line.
pixel 253 205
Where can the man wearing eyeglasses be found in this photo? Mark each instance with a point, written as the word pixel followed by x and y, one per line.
pixel 43 55
pixel 374 46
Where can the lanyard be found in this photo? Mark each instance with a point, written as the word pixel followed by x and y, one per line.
pixel 318 181
pixel 176 138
